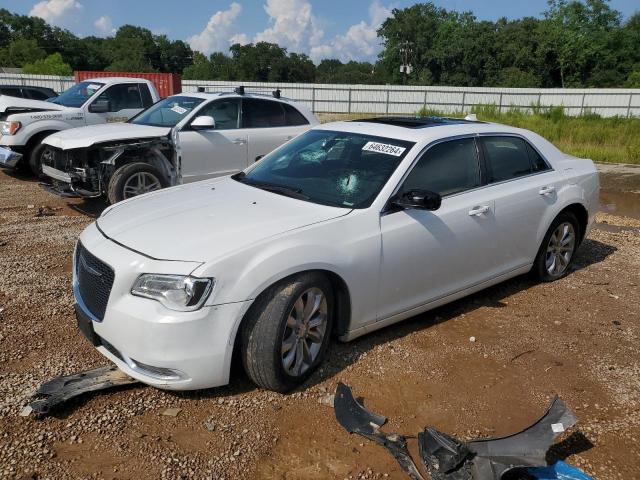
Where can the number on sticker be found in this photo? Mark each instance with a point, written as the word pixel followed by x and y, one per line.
pixel 384 148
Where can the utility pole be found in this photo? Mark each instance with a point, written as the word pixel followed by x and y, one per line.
pixel 406 51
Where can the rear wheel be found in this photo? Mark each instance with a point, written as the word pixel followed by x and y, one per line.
pixel 133 179
pixel 286 333
pixel 558 248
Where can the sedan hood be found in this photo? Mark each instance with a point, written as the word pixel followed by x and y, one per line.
pixel 84 137
pixel 206 220
pixel 8 103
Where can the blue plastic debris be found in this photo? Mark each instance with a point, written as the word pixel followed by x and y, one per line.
pixel 558 471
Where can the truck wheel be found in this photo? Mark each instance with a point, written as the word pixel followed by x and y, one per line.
pixel 40 154
pixel 134 179
pixel 285 335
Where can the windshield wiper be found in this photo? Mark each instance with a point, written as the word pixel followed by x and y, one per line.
pixel 271 187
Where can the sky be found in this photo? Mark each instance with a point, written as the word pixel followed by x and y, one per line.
pixel 344 29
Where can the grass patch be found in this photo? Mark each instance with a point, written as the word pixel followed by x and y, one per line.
pixel 611 140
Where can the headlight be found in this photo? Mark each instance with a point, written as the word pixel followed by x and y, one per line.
pixel 176 292
pixel 9 128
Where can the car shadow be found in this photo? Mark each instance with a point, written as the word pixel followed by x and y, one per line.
pixel 342 355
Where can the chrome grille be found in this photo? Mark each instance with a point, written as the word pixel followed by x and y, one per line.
pixel 95 279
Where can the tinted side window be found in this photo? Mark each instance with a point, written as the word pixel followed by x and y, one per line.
pixel 147 101
pixel 505 158
pixel 446 168
pixel 293 117
pixel 122 97
pixel 261 113
pixel 538 163
pixel 12 92
pixel 224 112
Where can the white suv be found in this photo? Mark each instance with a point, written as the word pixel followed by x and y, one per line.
pixel 181 139
pixel 350 227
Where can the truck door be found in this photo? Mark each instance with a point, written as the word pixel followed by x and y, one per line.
pixel 123 102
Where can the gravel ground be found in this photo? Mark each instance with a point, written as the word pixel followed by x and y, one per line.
pixel 577 337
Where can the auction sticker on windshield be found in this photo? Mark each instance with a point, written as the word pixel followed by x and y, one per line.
pixel 178 109
pixel 384 148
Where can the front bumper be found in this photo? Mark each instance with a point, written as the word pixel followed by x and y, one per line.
pixel 160 347
pixel 9 158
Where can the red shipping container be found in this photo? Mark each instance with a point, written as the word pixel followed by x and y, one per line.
pixel 166 83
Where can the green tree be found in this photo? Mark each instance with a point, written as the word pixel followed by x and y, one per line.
pixel 132 49
pixel 52 65
pixel 20 52
pixel 200 69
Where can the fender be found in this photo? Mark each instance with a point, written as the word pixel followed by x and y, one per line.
pixel 28 131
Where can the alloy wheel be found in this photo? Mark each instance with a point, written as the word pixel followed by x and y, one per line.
pixel 139 183
pixel 560 249
pixel 304 332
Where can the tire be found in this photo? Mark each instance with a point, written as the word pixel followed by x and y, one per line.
pixel 122 184
pixel 560 242
pixel 270 326
pixel 36 156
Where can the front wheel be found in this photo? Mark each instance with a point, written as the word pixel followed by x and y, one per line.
pixel 133 179
pixel 40 154
pixel 286 333
pixel 558 248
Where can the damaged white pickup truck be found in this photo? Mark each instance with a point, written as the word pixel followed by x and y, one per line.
pixel 24 123
pixel 181 139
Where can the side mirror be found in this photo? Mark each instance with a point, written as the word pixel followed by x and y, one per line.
pixel 420 199
pixel 100 106
pixel 203 122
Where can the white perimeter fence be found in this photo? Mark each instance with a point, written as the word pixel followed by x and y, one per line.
pixel 398 99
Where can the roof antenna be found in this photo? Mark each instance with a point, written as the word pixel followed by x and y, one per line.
pixel 239 90
pixel 276 93
pixel 471 117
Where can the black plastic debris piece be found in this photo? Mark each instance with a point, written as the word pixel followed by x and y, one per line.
pixel 357 419
pixel 449 459
pixel 443 456
pixel 63 388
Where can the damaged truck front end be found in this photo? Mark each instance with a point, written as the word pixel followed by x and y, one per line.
pixel 106 168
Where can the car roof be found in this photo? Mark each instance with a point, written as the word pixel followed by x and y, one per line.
pixel 418 129
pixel 116 80
pixel 210 95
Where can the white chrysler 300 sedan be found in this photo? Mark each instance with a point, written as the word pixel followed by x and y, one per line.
pixel 348 228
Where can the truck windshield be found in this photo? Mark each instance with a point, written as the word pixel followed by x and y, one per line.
pixel 77 95
pixel 168 112
pixel 341 169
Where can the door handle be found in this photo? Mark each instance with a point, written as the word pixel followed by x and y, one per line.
pixel 548 190
pixel 239 141
pixel 479 210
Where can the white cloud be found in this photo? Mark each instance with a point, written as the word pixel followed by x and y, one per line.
pixel 360 42
pixel 104 25
pixel 293 25
pixel 218 32
pixel 55 11
pixel 240 38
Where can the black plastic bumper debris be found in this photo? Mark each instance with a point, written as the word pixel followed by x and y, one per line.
pixel 357 419
pixel 447 458
pixel 63 388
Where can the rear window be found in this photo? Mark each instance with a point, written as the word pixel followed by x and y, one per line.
pixel 261 113
pixel 293 117
pixel 505 158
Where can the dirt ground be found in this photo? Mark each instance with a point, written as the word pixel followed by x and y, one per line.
pixel 578 337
